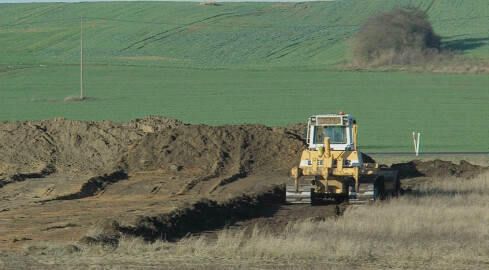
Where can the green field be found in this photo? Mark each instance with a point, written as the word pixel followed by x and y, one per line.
pixel 270 63
pixel 245 35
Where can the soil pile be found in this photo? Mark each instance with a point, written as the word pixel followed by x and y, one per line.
pixel 81 151
pixel 213 151
pixel 437 168
pixel 68 145
pixel 35 149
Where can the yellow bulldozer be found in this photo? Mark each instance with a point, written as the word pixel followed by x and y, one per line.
pixel 333 168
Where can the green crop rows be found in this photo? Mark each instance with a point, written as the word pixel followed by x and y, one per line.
pixel 270 63
pixel 257 35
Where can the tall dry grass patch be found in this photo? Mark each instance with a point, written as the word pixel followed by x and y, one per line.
pixel 442 224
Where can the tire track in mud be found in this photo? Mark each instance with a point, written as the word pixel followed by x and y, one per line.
pixel 48 169
pixel 220 181
pixel 227 180
pixel 94 186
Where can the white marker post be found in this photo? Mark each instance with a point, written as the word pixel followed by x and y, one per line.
pixel 417 145
pixel 416 142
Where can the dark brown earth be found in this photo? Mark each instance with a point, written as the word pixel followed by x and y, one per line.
pixel 154 177
pixel 437 168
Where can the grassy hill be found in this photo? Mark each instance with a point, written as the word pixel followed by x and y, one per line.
pixel 186 34
pixel 270 63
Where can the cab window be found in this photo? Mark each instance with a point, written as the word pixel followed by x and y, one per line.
pixel 336 134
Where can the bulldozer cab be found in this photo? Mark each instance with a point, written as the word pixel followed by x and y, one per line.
pixel 340 128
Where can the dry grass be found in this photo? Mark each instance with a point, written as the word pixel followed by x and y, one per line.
pixel 442 63
pixel 442 225
pixel 458 66
pixel 406 58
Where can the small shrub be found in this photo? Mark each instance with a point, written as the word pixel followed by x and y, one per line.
pixel 105 232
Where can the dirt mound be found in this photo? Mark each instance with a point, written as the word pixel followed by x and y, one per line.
pixel 367 159
pixel 151 143
pixel 207 152
pixel 69 145
pixel 437 168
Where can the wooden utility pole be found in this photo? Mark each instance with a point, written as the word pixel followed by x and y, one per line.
pixel 81 57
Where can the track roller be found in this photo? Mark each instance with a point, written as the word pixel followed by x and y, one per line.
pixel 303 195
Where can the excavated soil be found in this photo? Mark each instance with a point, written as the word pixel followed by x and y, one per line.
pixel 154 177
pixel 437 168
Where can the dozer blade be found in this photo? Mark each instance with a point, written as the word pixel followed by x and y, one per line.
pixel 302 196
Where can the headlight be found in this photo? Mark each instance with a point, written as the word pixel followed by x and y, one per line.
pixel 305 163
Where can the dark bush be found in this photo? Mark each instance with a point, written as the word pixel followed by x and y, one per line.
pixel 402 36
